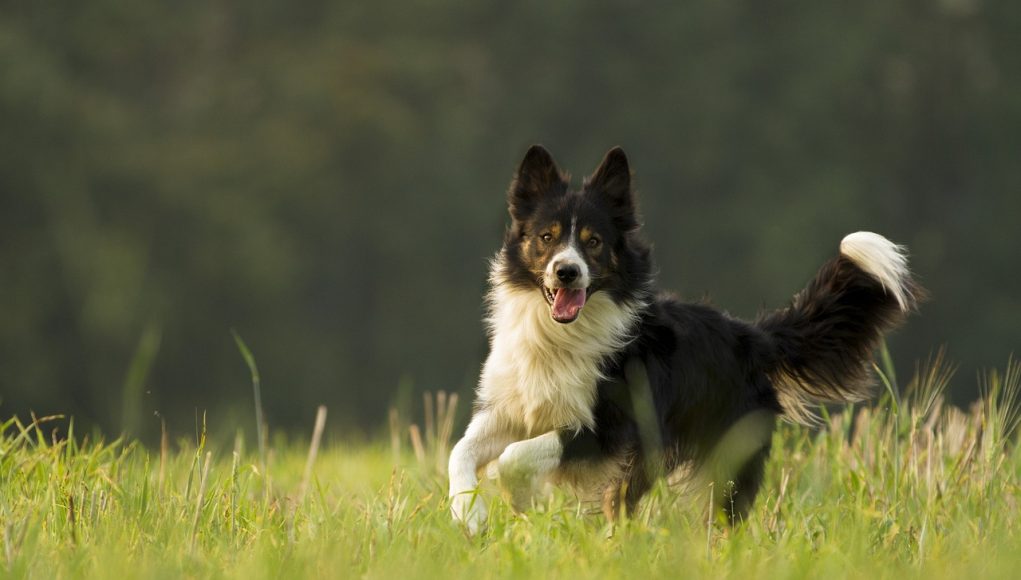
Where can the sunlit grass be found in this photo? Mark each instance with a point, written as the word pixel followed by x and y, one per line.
pixel 907 486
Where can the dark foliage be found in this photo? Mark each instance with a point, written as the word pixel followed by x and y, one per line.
pixel 328 178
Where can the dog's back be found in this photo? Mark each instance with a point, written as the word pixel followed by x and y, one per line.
pixel 715 384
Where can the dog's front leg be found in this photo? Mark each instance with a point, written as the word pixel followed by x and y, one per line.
pixel 524 465
pixel 482 442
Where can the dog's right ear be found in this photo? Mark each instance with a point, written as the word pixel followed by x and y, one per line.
pixel 537 177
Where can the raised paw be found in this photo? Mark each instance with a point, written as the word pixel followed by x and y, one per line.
pixel 518 476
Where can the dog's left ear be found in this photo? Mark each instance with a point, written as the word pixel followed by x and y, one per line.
pixel 612 180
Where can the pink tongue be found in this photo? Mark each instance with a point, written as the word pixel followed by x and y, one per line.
pixel 567 303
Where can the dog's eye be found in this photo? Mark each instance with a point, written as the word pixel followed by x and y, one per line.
pixel 594 242
pixel 547 237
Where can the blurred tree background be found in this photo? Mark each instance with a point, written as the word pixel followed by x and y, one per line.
pixel 328 179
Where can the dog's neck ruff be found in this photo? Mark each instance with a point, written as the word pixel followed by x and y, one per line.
pixel 540 374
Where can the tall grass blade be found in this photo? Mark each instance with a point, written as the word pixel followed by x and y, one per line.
pixel 260 419
pixel 313 451
pixel 137 375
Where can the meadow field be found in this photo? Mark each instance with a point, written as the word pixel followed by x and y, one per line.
pixel 903 486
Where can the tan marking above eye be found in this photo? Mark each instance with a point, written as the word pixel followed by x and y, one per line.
pixel 552 233
pixel 589 238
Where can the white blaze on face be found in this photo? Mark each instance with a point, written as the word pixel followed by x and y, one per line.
pixel 568 256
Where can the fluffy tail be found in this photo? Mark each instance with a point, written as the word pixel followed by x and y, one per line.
pixel 823 342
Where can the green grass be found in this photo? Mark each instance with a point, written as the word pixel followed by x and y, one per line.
pixel 906 487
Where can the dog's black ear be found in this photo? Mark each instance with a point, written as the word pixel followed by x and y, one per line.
pixel 612 179
pixel 537 177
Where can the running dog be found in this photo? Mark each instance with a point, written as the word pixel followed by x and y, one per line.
pixel 596 380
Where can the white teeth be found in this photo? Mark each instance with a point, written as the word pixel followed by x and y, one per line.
pixel 550 296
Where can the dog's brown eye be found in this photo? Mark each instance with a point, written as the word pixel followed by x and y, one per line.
pixel 547 237
pixel 593 242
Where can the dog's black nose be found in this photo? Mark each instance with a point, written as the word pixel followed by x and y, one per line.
pixel 568 273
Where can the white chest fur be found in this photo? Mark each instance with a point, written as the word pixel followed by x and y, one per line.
pixel 540 374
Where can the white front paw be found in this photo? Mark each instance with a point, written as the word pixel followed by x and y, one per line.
pixel 514 464
pixel 469 509
pixel 517 478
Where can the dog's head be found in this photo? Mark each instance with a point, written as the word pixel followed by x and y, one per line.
pixel 567 245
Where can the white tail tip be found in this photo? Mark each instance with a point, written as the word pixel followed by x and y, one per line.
pixel 883 260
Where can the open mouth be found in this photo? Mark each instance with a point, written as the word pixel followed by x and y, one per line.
pixel 565 303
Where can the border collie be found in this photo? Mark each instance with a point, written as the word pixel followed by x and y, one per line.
pixel 595 380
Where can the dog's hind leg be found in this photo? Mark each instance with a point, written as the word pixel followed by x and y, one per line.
pixel 738 464
pixel 739 494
